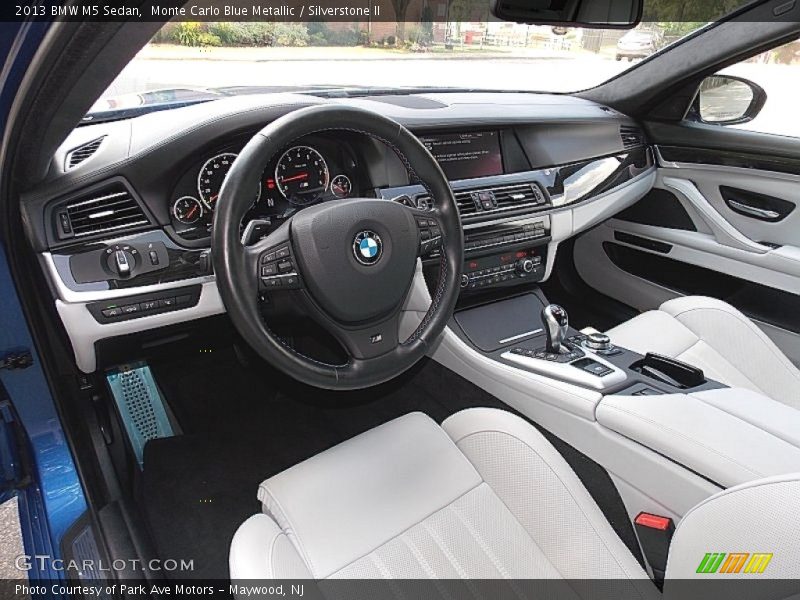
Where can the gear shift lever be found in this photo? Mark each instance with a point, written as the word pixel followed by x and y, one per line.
pixel 555 323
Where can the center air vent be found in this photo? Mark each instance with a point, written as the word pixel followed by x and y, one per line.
pixel 632 136
pixel 497 199
pixel 109 209
pixel 78 155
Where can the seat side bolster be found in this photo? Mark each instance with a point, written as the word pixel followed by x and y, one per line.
pixel 260 550
pixel 757 517
pixel 742 344
pixel 690 310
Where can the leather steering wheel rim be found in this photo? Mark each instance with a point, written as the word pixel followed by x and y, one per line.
pixel 234 263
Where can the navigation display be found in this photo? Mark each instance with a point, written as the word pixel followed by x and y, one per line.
pixel 466 155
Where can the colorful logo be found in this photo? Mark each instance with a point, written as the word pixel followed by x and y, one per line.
pixel 734 562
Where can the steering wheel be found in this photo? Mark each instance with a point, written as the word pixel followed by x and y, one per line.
pixel 349 264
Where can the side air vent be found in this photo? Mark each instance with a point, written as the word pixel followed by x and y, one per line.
pixel 108 210
pixel 496 199
pixel 632 136
pixel 78 155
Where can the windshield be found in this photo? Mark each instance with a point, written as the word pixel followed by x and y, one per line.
pixel 195 61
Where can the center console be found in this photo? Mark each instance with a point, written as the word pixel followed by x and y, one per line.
pixel 527 332
pixel 653 406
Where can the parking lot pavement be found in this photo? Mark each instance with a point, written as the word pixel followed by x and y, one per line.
pixel 10 541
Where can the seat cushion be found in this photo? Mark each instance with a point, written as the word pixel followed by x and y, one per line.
pixel 714 336
pixel 483 496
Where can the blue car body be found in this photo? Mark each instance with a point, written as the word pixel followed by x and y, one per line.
pixel 37 463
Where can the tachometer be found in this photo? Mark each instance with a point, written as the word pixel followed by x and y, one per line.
pixel 213 173
pixel 302 175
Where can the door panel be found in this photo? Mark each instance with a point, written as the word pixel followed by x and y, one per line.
pixel 713 183
pixel 717 223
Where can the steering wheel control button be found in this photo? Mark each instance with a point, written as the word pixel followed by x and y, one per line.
pixel 277 269
pixel 367 247
pixel 430 235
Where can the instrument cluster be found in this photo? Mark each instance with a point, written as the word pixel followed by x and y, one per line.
pixel 300 176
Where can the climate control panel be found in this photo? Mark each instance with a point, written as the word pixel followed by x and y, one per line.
pixel 504 269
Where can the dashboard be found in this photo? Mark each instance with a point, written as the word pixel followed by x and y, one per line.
pixel 122 222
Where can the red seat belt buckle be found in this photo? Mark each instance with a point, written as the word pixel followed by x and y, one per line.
pixel 653 521
pixel 655 534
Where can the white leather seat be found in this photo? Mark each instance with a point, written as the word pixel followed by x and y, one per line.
pixel 714 336
pixel 483 496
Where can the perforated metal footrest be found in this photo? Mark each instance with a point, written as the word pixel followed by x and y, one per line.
pixel 140 405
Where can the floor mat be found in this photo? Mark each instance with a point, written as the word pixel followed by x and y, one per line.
pixel 242 425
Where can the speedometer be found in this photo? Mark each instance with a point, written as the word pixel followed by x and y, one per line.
pixel 302 175
pixel 211 177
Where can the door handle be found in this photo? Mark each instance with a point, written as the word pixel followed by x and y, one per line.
pixel 759 213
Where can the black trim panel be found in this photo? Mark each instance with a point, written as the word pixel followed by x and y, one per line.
pixel 180 264
pixel 760 302
pixel 635 240
pixel 660 208
pixel 726 158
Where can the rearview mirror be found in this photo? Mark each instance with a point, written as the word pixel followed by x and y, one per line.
pixel 728 100
pixel 597 14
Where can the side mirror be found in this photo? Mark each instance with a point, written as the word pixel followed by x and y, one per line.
pixel 728 100
pixel 597 14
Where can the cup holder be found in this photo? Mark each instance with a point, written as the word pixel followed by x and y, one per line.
pixel 665 369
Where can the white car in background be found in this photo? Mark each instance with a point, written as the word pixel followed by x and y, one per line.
pixel 638 44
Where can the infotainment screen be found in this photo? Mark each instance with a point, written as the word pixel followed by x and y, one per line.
pixel 466 155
